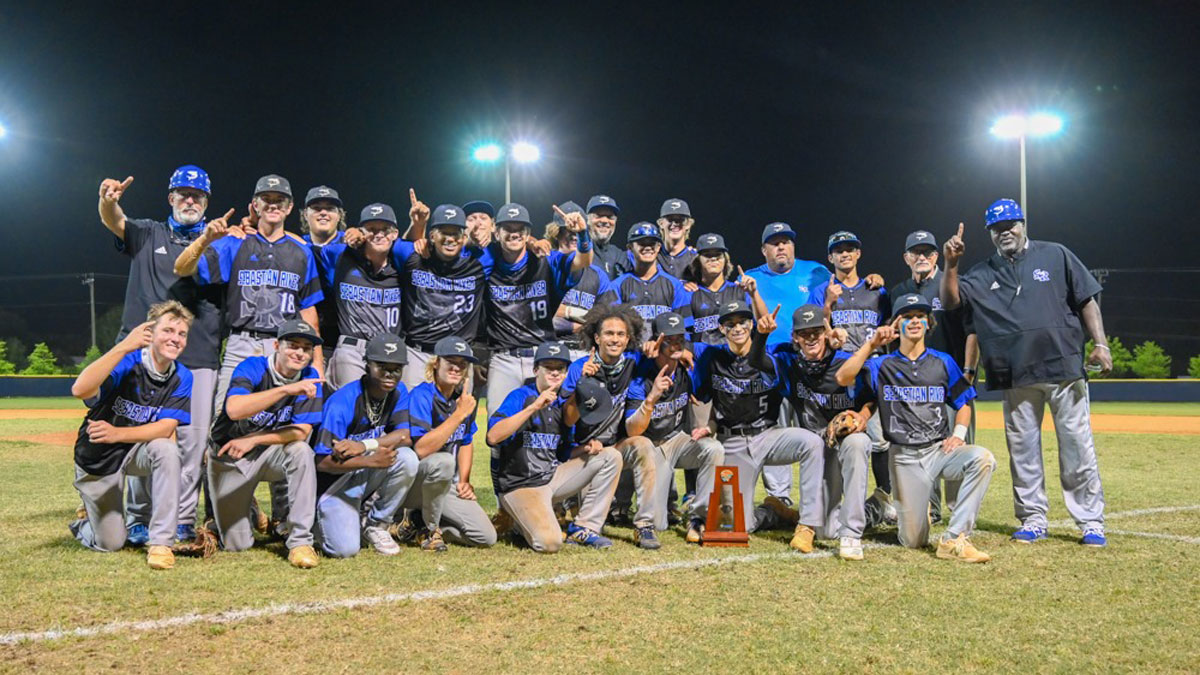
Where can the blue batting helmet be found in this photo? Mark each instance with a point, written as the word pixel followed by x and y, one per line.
pixel 1003 210
pixel 191 176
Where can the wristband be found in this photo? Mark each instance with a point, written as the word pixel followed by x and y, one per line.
pixel 584 241
pixel 960 432
pixel 1104 347
pixel 370 444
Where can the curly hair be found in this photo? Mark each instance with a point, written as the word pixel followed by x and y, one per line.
pixel 600 313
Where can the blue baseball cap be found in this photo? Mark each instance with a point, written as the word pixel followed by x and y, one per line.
pixel 1003 210
pixel 735 308
pixel 479 206
pixel 273 182
pixel 643 230
pixel 711 242
pixel 452 345
pixel 566 207
pixel 909 302
pixel 513 213
pixel 675 207
pixel 191 176
pixel 669 323
pixel 551 351
pixel 322 192
pixel 377 211
pixel 598 201
pixel 448 214
pixel 775 229
pixel 843 237
pixel 920 238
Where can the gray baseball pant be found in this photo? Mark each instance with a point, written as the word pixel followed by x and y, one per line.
pixel 462 521
pixel 1079 470
pixel 680 451
pixel 592 477
pixel 777 480
pixel 846 468
pixel 348 362
pixel 915 468
pixel 238 348
pixel 505 374
pixel 232 483
pixel 935 498
pixel 642 462
pixel 339 521
pixel 103 499
pixel 192 440
pixel 780 446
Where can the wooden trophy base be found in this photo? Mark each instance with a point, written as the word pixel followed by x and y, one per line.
pixel 730 530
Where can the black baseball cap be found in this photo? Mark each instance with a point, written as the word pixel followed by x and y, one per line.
pixel 551 351
pixel 448 214
pixel 322 192
pixel 273 183
pixel 674 207
pixel 387 348
pixel 377 211
pixel 513 213
pixel 452 345
pixel 298 328
pixel 909 302
pixel 598 201
pixel 567 207
pixel 669 323
pixel 643 230
pixel 808 316
pixel 711 242
pixel 735 308
pixel 843 237
pixel 774 229
pixel 593 400
pixel 479 206
pixel 919 238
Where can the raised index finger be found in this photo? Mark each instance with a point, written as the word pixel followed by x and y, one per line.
pixel 125 183
pixel 412 196
pixel 775 314
pixel 960 231
pixel 227 214
pixel 559 211
pixel 740 272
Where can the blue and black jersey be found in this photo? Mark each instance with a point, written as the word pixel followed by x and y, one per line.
pixel 428 409
pixel 132 397
pixel 860 310
pixel 659 294
pixel 269 282
pixel 529 457
pixel 672 413
pixel 582 296
pixel 348 416
pixel 367 301
pixel 676 264
pixel 912 395
pixel 704 311
pixel 441 298
pixel 254 375
pixel 744 397
pixel 812 387
pixel 522 297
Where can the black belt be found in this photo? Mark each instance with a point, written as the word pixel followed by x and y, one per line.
pixel 352 341
pixel 420 346
pixel 521 351
pixel 743 430
pixel 256 334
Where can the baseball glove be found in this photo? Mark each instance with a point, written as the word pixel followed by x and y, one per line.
pixel 203 546
pixel 842 425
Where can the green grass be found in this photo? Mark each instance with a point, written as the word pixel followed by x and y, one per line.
pixel 27 402
pixel 1053 606
pixel 1188 409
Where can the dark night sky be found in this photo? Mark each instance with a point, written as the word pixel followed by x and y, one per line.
pixel 866 116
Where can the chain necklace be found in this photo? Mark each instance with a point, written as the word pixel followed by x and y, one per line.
pixel 375 410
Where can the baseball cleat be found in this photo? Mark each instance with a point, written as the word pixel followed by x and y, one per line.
pixel 261 522
pixel 185 533
pixel 619 518
pixel 503 522
pixel 1029 534
pixel 1093 535
pixel 378 538
pixel 888 508
pixel 432 542
pixel 277 529
pixel 695 533
pixel 782 509
pixel 802 539
pixel 581 536
pixel 80 513
pixel 138 535
pixel 304 557
pixel 850 548
pixel 407 529
pixel 645 538
pixel 961 549
pixel 160 557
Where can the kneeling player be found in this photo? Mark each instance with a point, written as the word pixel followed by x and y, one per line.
pixel 526 432
pixel 137 395
pixel 363 451
pixel 913 386
pixel 269 411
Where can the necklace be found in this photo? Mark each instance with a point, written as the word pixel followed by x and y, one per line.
pixel 375 411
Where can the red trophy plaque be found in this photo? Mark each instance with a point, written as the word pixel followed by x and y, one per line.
pixel 726 525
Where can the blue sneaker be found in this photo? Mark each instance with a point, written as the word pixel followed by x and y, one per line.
pixel 1093 535
pixel 1029 534
pixel 185 533
pixel 645 538
pixel 581 536
pixel 138 535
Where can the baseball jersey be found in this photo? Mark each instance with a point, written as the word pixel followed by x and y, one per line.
pixel 859 310
pixel 789 289
pixel 949 332
pixel 1026 314
pixel 672 413
pixel 347 416
pixel 152 247
pixel 743 397
pixel 269 281
pixel 253 375
pixel 912 395
pixel 529 457
pixel 617 379
pixel 704 311
pixel 676 264
pixel 131 396
pixel 612 259
pixel 582 296
pixel 813 389
pixel 327 311
pixel 428 409
pixel 659 294
pixel 522 297
pixel 441 298
pixel 367 302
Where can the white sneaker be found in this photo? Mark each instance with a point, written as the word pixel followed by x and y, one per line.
pixel 889 508
pixel 850 549
pixel 380 540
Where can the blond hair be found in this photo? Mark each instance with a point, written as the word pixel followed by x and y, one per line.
pixel 431 367
pixel 170 308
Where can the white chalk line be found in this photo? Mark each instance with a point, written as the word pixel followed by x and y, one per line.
pixel 1133 514
pixel 1157 535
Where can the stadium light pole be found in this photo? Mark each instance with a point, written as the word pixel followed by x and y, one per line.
pixel 1020 127
pixel 521 152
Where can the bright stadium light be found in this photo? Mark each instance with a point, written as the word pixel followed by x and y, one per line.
pixel 1020 127
pixel 1044 124
pixel 521 152
pixel 487 153
pixel 3 130
pixel 1009 126
pixel 525 153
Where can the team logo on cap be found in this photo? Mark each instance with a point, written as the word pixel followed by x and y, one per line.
pixel 912 300
pixel 807 316
pixel 450 213
pixel 591 403
pixel 376 210
pixel 272 182
pixel 460 347
pixel 777 227
pixel 193 175
pixel 602 199
pixel 676 206
pixel 323 191
pixel 731 307
pixel 554 349
pixel 920 235
pixel 710 240
pixel 672 321
pixel 514 212
pixel 390 347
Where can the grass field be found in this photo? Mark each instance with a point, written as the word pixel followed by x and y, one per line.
pixel 1055 606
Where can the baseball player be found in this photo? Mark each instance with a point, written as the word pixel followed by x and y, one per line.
pixel 523 292
pixel 1030 304
pixel 746 414
pixel 579 298
pixel 602 212
pixel 658 408
pixel 137 395
pixel 365 288
pixel 675 223
pixel 707 279
pixel 260 434
pixel 649 290
pixel 610 332
pixel 442 425
pixel 912 386
pixel 363 451
pixel 323 222
pixel 152 247
pixel 806 371
pixel 272 277
pixel 481 223
pixel 526 433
